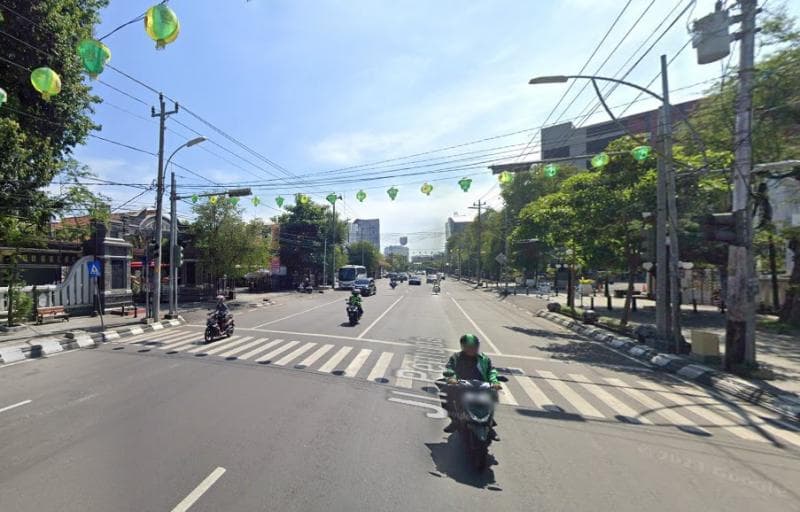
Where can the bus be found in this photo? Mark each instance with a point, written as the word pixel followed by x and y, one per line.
pixel 347 275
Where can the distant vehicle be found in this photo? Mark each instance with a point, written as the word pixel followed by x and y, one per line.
pixel 348 274
pixel 392 276
pixel 366 285
pixel 430 278
pixel 415 279
pixel 402 277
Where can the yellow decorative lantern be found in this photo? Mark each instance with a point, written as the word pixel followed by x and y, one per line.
pixel 162 25
pixel 46 81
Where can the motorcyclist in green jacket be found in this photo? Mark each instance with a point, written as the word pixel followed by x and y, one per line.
pixel 469 364
pixel 355 300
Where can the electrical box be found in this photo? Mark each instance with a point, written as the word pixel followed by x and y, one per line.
pixel 711 38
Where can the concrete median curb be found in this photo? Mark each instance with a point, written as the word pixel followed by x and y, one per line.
pixel 786 404
pixel 72 340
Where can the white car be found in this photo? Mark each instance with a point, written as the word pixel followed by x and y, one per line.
pixel 415 280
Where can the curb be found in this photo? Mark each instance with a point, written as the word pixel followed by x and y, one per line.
pixel 78 339
pixel 784 404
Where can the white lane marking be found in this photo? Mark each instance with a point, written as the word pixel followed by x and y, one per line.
pixel 655 406
pixel 294 354
pixel 537 396
pixel 505 397
pixel 280 350
pixel 365 331
pixel 438 413
pixel 335 359
pixel 484 337
pixel 580 404
pixel 402 381
pixel 226 347
pixel 357 362
pixel 298 313
pixel 136 330
pixel 198 491
pixel 321 351
pixel 703 410
pixel 610 400
pixel 421 397
pixel 205 346
pixel 260 349
pixel 14 406
pixel 149 336
pixel 182 341
pixel 257 341
pixel 379 370
pixel 157 326
pixel 338 337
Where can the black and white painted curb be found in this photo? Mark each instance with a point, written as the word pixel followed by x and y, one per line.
pixel 77 339
pixel 786 404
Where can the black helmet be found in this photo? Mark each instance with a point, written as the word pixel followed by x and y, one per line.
pixel 470 340
pixel 356 291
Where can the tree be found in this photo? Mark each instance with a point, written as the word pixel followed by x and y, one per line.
pixel 364 253
pixel 228 246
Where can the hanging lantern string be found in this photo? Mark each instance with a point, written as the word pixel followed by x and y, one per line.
pixel 134 20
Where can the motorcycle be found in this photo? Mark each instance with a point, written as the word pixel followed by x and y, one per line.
pixel 216 329
pixel 393 284
pixel 305 288
pixel 473 410
pixel 437 288
pixel 353 314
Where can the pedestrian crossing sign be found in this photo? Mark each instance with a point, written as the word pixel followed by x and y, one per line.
pixel 94 268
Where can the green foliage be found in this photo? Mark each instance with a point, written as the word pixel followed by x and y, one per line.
pixel 23 305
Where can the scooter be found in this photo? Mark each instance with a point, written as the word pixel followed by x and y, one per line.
pixel 393 284
pixel 215 330
pixel 305 288
pixel 437 288
pixel 353 314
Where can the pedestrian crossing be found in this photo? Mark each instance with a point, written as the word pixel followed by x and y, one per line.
pixel 632 400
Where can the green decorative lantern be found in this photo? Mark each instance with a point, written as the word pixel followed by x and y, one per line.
pixel 256 201
pixel 465 183
pixel 212 200
pixel 640 153
pixel 46 81
pixel 506 177
pixel 600 160
pixel 3 96
pixel 392 193
pixel 550 170
pixel 162 25
pixel 331 198
pixel 302 198
pixel 361 195
pixel 279 201
pixel 233 200
pixel 94 56
pixel 426 188
pixel 195 198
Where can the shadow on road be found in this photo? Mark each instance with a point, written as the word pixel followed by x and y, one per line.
pixel 542 333
pixel 451 460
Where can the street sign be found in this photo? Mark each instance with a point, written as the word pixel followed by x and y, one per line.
pixel 501 259
pixel 94 268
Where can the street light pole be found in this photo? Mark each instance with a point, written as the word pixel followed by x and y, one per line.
pixel 173 231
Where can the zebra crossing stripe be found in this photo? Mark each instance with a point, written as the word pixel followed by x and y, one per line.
pixel 536 395
pixel 505 397
pixel 204 346
pixel 280 350
pixel 379 370
pixel 180 345
pixel 321 351
pixel 658 408
pixel 576 400
pixel 227 346
pixel 403 381
pixel 242 348
pixel 294 354
pixel 609 399
pixel 357 362
pixel 335 359
pixel 179 340
pixel 260 349
pixel 702 410
pixel 151 336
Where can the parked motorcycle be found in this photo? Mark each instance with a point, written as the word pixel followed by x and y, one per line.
pixel 305 288
pixel 216 328
pixel 353 314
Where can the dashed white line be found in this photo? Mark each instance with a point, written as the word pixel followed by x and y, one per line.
pixel 14 406
pixel 198 491
pixel 365 331
pixel 298 313
pixel 484 337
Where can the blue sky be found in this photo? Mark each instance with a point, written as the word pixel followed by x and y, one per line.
pixel 324 84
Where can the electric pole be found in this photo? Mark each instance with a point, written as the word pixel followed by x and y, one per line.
pixel 162 115
pixel 740 321
pixel 478 206
pixel 662 298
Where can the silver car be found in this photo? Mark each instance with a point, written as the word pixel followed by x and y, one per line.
pixel 366 285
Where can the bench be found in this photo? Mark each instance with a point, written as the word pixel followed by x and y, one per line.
pixel 51 312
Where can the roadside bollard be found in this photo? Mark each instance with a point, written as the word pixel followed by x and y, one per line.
pixel 633 305
pixel 591 302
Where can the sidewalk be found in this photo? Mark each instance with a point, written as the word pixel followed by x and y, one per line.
pixel 777 354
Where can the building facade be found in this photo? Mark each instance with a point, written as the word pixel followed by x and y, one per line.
pixel 365 230
pixel 455 225
pixel 396 250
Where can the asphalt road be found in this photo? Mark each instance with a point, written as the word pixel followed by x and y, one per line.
pixel 298 411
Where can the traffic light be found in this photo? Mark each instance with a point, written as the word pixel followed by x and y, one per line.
pixel 724 227
pixel 178 255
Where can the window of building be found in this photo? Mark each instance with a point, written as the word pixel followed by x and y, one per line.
pixel 561 152
pixel 118 274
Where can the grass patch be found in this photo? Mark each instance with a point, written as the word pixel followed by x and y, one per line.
pixel 776 326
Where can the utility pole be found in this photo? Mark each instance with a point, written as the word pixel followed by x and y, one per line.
pixel 333 245
pixel 662 298
pixel 740 321
pixel 173 244
pixel 672 214
pixel 478 206
pixel 162 115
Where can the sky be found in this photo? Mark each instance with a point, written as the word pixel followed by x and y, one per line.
pixel 318 87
